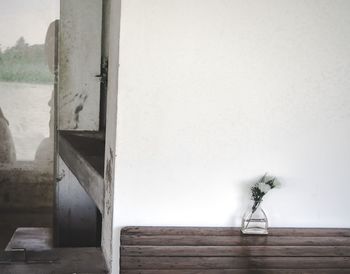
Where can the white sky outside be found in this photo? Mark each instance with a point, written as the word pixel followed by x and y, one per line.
pixel 27 18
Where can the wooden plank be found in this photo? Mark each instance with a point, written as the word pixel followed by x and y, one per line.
pixel 186 250
pixel 240 251
pixel 234 231
pixel 238 271
pixel 31 238
pixel 233 262
pixel 233 241
pixel 58 261
pixel 89 178
pixel 79 64
pixel 75 212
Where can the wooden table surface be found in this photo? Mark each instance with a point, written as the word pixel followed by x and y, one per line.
pixel 199 250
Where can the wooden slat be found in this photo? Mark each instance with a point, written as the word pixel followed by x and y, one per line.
pixel 239 251
pixel 89 178
pixel 194 250
pixel 238 271
pixel 234 241
pixel 234 231
pixel 234 262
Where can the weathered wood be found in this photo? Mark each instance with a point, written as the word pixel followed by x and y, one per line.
pixel 239 251
pixel 238 271
pixel 58 261
pixel 234 241
pixel 191 250
pixel 234 231
pixel 233 262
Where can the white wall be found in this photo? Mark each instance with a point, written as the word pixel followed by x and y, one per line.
pixel 213 93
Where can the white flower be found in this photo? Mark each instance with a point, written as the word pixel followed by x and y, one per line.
pixel 267 178
pixel 276 184
pixel 264 187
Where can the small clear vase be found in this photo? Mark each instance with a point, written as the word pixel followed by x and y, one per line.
pixel 254 221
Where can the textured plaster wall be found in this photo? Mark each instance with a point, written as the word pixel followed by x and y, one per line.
pixel 214 93
pixel 25 187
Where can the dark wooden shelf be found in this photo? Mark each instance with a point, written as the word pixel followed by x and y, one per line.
pixel 214 250
pixel 56 260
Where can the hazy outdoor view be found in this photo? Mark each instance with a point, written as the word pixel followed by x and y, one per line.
pixel 26 82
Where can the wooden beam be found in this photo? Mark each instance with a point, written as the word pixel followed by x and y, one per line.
pixel 236 271
pixel 239 251
pixel 233 262
pixel 233 241
pixel 87 175
pixel 233 231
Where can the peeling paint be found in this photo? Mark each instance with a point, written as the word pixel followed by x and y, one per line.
pixel 60 176
pixel 78 109
pixel 109 166
pixel 109 179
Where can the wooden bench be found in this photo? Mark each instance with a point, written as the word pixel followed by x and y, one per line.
pixel 186 250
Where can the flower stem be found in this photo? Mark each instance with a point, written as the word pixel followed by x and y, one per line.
pixel 254 208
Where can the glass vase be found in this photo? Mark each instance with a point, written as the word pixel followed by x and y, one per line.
pixel 254 221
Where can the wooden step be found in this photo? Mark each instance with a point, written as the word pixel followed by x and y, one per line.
pixel 31 239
